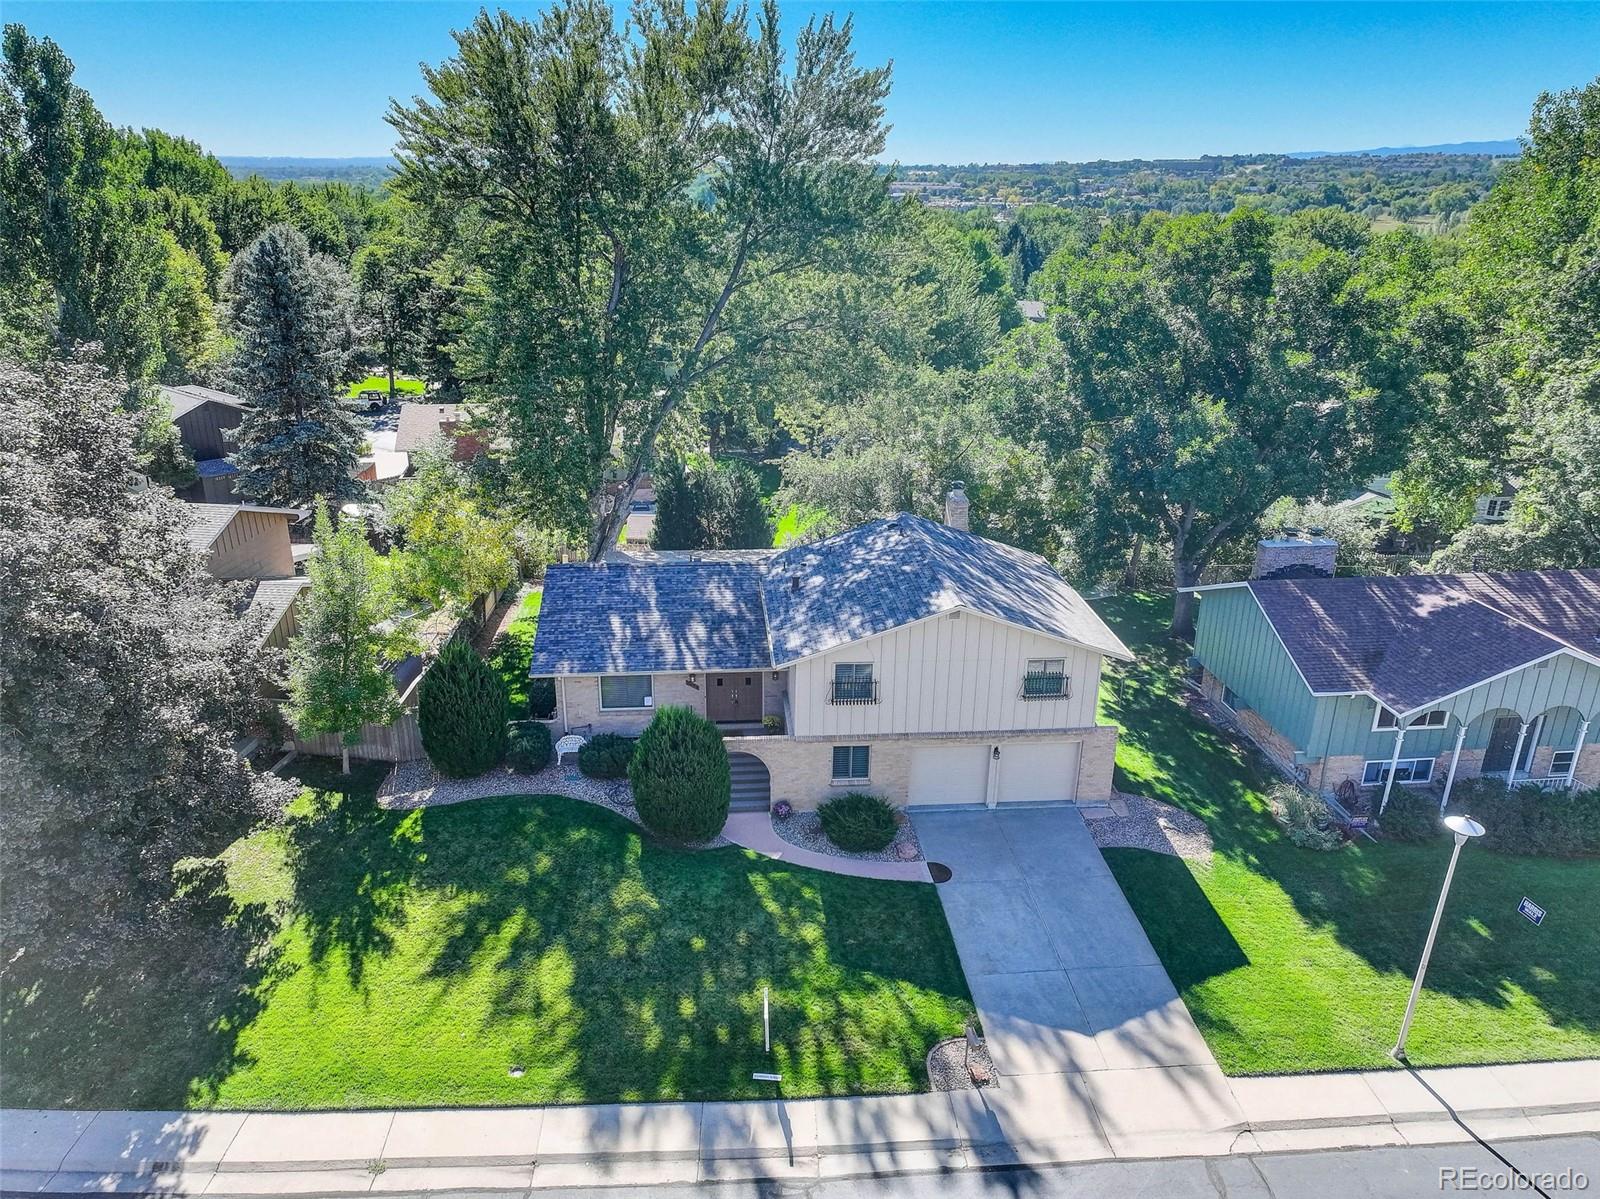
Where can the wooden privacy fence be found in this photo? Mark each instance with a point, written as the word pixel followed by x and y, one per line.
pixel 401 741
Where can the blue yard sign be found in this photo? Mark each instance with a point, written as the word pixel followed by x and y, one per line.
pixel 1531 910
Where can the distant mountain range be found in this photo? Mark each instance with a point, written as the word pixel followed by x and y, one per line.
pixel 1505 146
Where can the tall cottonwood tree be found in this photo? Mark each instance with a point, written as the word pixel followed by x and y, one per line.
pixel 647 208
pixel 1220 363
pixel 290 319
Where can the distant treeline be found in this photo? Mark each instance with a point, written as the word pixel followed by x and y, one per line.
pixel 1404 187
pixel 356 172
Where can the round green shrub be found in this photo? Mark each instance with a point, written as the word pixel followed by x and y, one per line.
pixel 606 756
pixel 462 713
pixel 858 822
pixel 530 748
pixel 1412 814
pixel 541 698
pixel 681 782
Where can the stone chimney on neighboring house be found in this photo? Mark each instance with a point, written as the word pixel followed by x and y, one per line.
pixel 1295 554
pixel 955 506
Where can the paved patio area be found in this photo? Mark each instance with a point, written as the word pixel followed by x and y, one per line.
pixel 1064 978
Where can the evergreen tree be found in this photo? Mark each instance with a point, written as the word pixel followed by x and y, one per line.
pixel 296 444
pixel 462 711
pixel 349 630
pixel 713 507
pixel 681 781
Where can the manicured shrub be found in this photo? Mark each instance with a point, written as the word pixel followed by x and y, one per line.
pixel 681 781
pixel 541 698
pixel 858 822
pixel 1305 818
pixel 462 712
pixel 1412 814
pixel 782 810
pixel 606 756
pixel 1527 820
pixel 530 748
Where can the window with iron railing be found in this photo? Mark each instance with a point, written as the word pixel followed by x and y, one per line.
pixel 1046 678
pixel 853 684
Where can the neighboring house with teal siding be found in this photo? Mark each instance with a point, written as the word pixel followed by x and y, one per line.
pixel 1411 680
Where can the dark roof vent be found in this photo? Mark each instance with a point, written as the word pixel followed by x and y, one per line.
pixel 794 582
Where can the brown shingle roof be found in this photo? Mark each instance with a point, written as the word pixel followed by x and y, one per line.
pixel 420 424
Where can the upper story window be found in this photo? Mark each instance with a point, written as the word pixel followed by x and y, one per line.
pixel 625 691
pixel 1046 678
pixel 1385 719
pixel 853 684
pixel 1498 508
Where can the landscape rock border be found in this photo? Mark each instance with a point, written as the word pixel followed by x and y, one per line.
pixel 803 830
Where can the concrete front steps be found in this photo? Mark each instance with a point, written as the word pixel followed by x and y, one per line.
pixel 752 786
pixel 1025 1120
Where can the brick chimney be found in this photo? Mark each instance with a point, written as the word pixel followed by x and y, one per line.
pixel 1295 554
pixel 955 506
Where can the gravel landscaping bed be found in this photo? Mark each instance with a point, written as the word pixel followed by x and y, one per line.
pixel 804 829
pixel 950 1066
pixel 418 785
pixel 1153 825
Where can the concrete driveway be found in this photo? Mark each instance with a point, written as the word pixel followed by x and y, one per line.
pixel 1064 978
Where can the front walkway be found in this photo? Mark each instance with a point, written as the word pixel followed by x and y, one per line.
pixel 754 831
pixel 1073 1000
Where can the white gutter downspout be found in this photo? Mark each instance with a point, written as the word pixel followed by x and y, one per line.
pixel 566 725
pixel 1394 764
pixel 1455 756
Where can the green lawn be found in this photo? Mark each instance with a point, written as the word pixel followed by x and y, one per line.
pixel 381 383
pixel 419 957
pixel 1294 960
pixel 794 522
pixel 512 653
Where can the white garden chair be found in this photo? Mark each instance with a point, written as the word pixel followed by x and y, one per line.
pixel 570 744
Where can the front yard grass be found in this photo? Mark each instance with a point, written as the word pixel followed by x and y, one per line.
pixel 1293 960
pixel 403 387
pixel 419 958
pixel 512 653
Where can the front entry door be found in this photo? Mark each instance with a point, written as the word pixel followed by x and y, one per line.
pixel 734 697
pixel 1502 744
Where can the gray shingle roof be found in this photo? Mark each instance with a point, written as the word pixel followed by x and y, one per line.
pixel 190 396
pixel 274 597
pixel 419 425
pixel 214 468
pixel 904 568
pixel 207 522
pixel 1414 639
pixel 667 618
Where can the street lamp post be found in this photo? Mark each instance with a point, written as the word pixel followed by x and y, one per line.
pixel 1464 828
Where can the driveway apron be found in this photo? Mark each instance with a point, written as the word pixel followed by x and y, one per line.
pixel 1064 978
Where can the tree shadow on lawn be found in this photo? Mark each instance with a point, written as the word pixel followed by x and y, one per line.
pixel 1376 899
pixel 157 1027
pixel 641 965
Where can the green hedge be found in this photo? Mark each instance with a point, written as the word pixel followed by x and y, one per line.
pixel 680 776
pixel 858 822
pixel 1527 820
pixel 606 756
pixel 1412 814
pixel 462 713
pixel 530 746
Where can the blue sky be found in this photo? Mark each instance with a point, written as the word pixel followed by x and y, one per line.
pixel 997 82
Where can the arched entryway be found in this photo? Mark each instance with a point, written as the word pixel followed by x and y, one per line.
pixel 752 785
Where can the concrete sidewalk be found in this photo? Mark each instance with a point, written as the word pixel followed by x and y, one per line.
pixel 754 831
pixel 1034 1120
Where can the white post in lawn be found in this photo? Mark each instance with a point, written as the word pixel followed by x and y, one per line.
pixel 1516 755
pixel 1394 764
pixel 1455 756
pixel 1577 752
pixel 1464 828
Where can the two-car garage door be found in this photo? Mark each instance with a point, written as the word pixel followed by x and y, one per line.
pixel 1027 772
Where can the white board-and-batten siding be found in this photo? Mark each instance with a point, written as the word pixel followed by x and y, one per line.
pixel 952 673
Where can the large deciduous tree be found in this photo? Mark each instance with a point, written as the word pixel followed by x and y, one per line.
pixel 350 632
pixel 649 207
pixel 126 678
pixel 456 546
pixel 291 322
pixel 1223 362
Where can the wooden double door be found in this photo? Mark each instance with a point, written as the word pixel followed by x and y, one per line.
pixel 734 698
